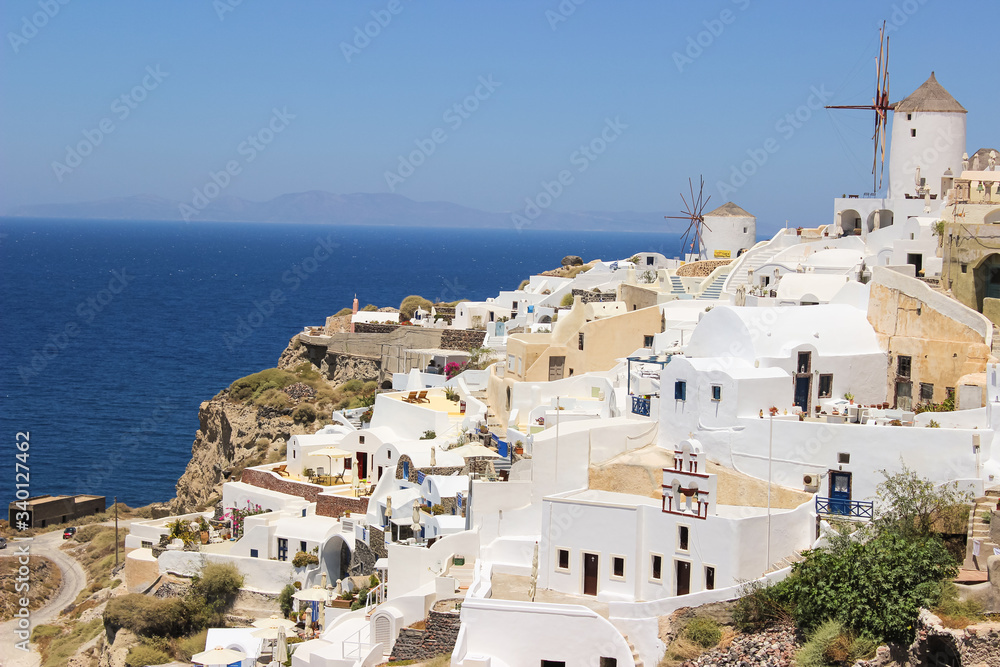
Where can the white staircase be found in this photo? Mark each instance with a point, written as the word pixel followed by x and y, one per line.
pixel 714 290
pixel 753 259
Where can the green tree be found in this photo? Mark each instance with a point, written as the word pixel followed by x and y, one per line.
pixel 912 506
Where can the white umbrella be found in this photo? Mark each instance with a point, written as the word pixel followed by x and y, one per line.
pixel 218 656
pixel 274 622
pixel 314 594
pixel 475 451
pixel 270 634
pixel 281 649
pixel 433 456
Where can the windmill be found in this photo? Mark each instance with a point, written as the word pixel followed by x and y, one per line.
pixel 880 105
pixel 694 212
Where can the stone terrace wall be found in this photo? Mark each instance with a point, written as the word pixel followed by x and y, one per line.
pixel 269 481
pixel 371 327
pixel 337 506
pixel 701 269
pixel 439 637
pixel 462 339
pixel 586 296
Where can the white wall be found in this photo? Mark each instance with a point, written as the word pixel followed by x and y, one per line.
pixel 263 576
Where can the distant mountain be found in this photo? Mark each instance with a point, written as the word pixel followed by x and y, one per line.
pixel 317 206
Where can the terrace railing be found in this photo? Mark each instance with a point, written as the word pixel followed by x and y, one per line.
pixel 640 406
pixel 840 507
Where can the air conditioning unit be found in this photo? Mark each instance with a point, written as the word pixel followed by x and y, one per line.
pixel 811 481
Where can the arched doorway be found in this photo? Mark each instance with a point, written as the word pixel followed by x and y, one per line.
pixel 849 222
pixel 879 219
pixel 986 276
pixel 993 217
pixel 335 559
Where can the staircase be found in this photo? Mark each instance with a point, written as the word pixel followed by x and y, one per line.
pixel 676 285
pixel 714 291
pixel 980 530
pixel 787 561
pixel 753 259
pixel 635 654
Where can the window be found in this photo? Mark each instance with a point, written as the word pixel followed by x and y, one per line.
pixel 826 386
pixel 608 662
pixel 302 546
pixel 253 553
pixel 649 260
pixel 680 390
pixel 709 578
pixel 744 230
pixel 510 362
pixel 656 567
pixel 716 392
pixel 618 566
pixel 147 545
pixel 965 267
pixel 926 391
pixel 282 548
pixel 909 116
pixel 903 366
pixel 553 663
pixel 293 454
pixel 581 341
pixel 682 537
pixel 303 511
pixel 804 362
pixel 647 341
pixel 843 457
pixel 563 555
pixel 361 439
pixel 406 470
pixel 913 132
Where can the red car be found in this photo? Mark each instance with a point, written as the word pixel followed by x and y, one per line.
pixel 69 532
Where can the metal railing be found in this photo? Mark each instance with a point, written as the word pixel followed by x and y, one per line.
pixel 376 596
pixel 855 509
pixel 640 406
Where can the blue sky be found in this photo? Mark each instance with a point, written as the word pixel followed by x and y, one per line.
pixel 201 77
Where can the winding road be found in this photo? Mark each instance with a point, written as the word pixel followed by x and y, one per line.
pixel 74 579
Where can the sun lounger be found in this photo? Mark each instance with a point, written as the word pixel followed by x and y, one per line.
pixel 281 470
pixel 411 397
pixel 422 397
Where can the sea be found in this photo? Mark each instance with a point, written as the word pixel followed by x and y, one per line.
pixel 113 332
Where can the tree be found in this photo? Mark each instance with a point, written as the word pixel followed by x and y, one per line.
pixel 480 358
pixel 410 305
pixel 912 506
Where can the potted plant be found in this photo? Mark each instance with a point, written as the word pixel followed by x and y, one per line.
pixel 850 397
pixel 774 410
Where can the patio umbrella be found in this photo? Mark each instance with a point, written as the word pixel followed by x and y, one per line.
pixel 332 453
pixel 270 634
pixel 281 649
pixel 433 456
pixel 475 451
pixel 218 656
pixel 314 594
pixel 274 622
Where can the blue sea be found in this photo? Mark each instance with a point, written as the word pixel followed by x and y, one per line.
pixel 112 333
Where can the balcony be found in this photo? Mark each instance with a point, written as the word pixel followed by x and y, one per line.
pixel 843 508
pixel 640 406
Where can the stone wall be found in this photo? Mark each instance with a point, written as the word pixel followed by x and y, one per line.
pixel 371 327
pixel 363 559
pixel 337 506
pixel 587 296
pixel 701 269
pixel 266 480
pixel 462 339
pixel 439 636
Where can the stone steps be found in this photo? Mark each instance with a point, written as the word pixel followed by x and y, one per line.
pixel 979 530
pixel 635 654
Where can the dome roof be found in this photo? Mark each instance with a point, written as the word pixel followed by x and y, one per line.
pixel 930 96
pixel 729 210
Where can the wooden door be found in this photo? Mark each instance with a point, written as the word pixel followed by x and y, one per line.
pixel 590 569
pixel 683 577
pixel 556 366
pixel 840 492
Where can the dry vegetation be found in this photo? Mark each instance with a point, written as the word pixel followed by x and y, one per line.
pixel 57 643
pixel 44 579
pixel 94 548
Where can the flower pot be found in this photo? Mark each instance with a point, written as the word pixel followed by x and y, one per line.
pixel 204 537
pixel 459 560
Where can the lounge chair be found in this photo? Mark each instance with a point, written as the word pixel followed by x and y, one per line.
pixel 281 470
pixel 411 397
pixel 422 397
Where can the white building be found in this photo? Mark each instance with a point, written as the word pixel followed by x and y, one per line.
pixel 728 232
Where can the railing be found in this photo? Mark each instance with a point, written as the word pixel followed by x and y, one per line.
pixel 640 406
pixel 857 509
pixel 357 643
pixel 376 596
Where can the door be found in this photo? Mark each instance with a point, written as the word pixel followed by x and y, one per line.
pixel 840 492
pixel 556 365
pixel 802 393
pixel 917 260
pixel 362 466
pixel 683 577
pixel 282 548
pixel 383 631
pixel 590 570
pixel 904 395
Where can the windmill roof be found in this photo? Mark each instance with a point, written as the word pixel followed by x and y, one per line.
pixel 729 210
pixel 930 96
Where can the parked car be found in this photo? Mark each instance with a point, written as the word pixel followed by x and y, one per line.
pixel 69 532
pixel 3 542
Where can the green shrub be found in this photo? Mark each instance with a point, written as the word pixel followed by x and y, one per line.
pixel 302 559
pixel 524 283
pixel 143 654
pixel 410 305
pixel 428 435
pixel 956 613
pixel 351 386
pixel 703 631
pixel 285 600
pixel 305 413
pixel 370 308
pixel 147 616
pixel 344 311
pixel 830 645
pixel 254 384
pixel 760 606
pixel 218 581
pixel 185 647
pixel 567 300
pixel 451 394
pixel 88 533
pixel 272 398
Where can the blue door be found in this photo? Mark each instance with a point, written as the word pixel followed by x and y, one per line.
pixel 840 493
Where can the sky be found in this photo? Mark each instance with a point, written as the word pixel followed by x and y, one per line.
pixel 482 103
